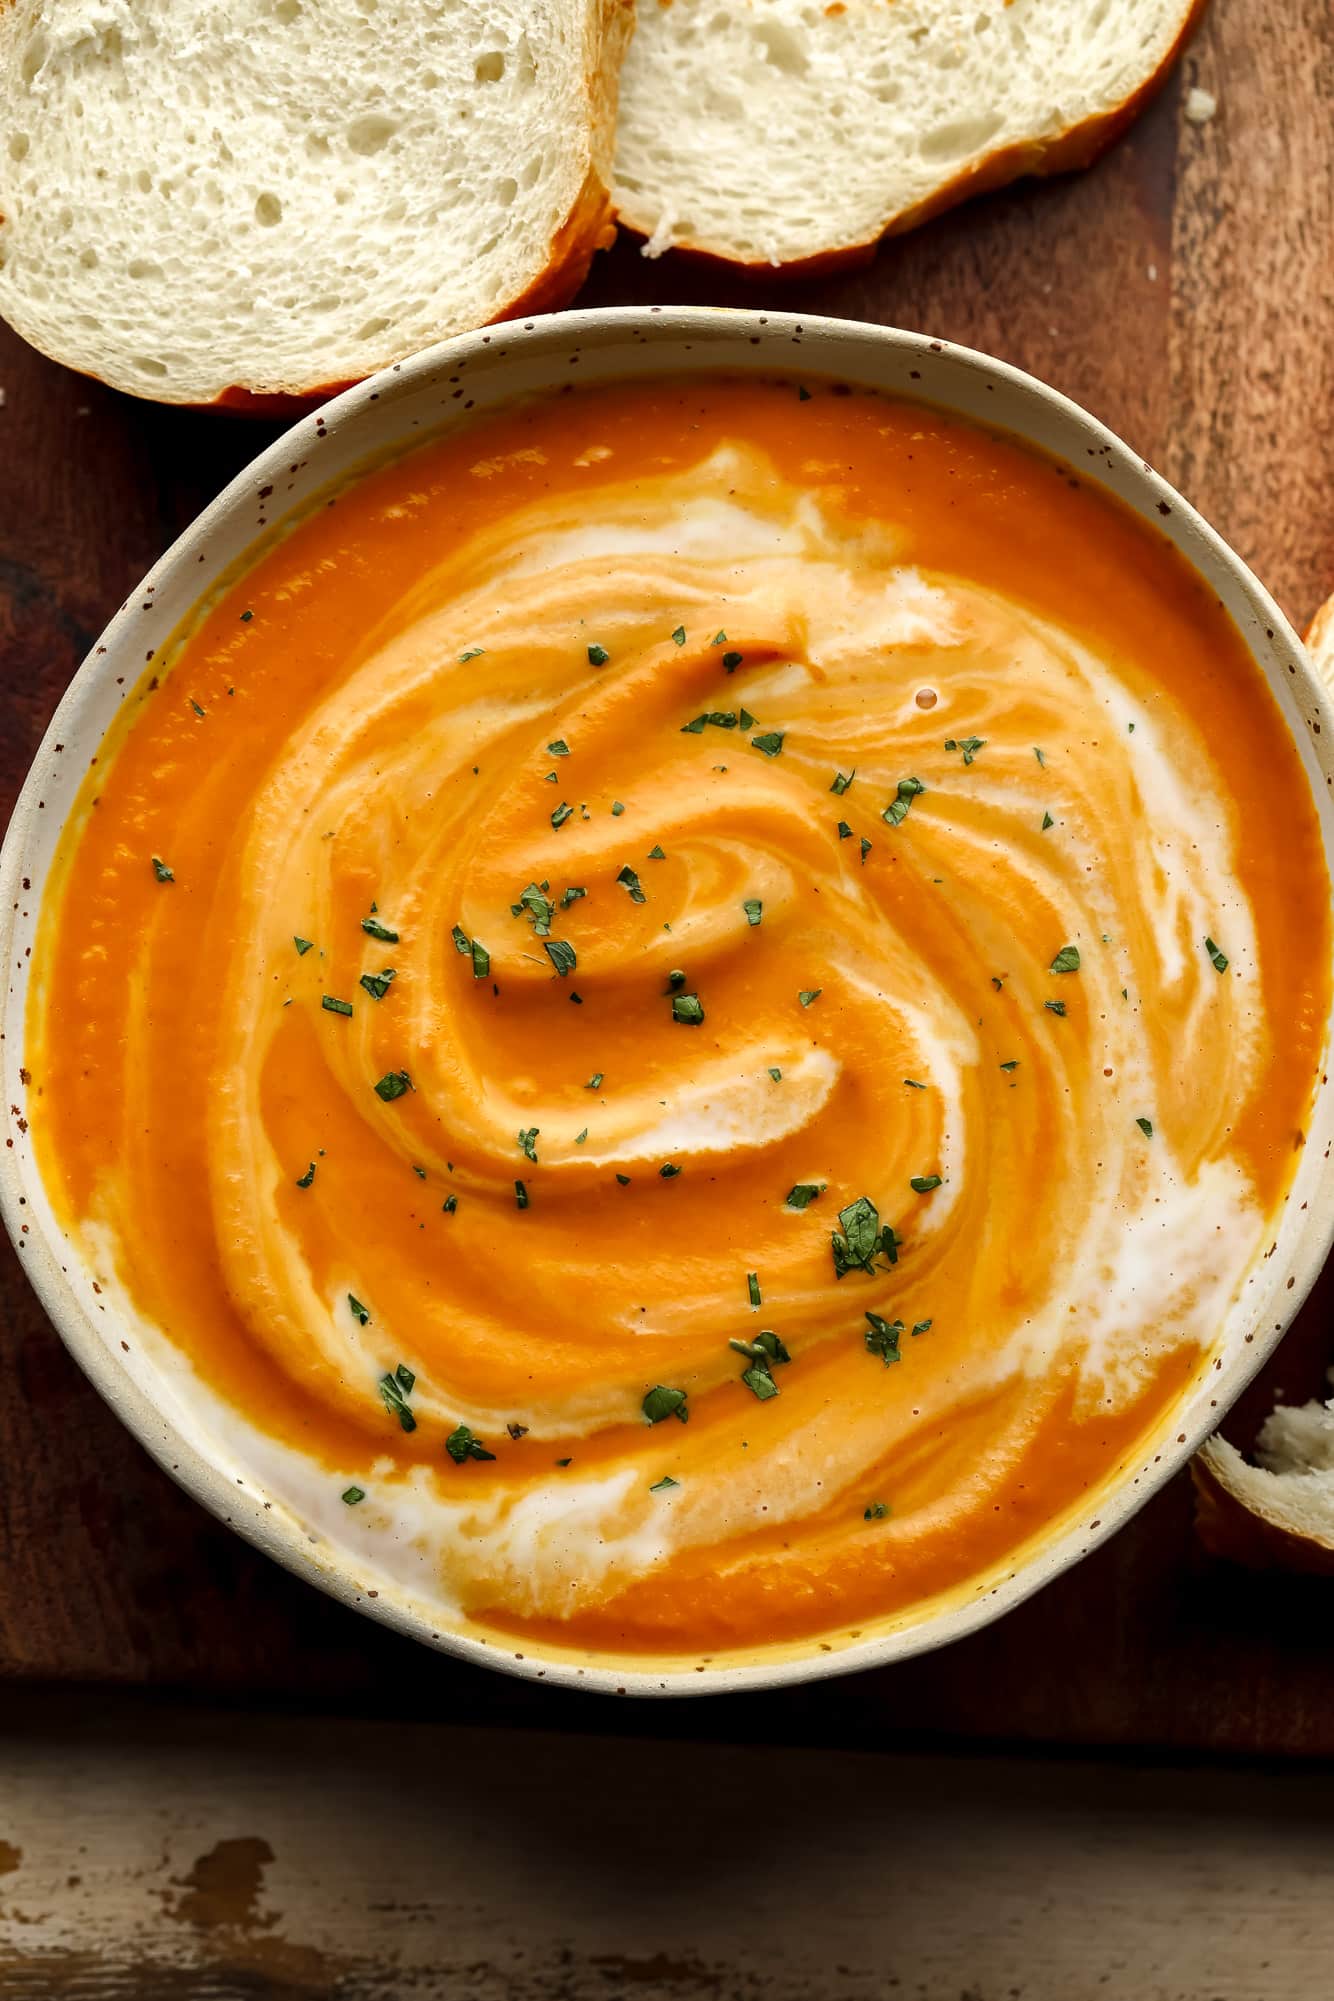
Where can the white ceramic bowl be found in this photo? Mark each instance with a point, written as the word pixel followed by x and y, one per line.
pixel 402 407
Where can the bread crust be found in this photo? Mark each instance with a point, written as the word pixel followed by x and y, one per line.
pixel 1078 146
pixel 1232 1527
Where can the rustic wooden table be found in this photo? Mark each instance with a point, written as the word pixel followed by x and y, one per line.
pixel 1183 290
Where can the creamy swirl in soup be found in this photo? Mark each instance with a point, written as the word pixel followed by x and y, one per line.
pixel 702 997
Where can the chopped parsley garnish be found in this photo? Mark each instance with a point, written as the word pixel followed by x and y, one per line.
pixel 1038 755
pixel 680 635
pixel 688 1009
pixel 481 960
pixel 842 781
pixel 882 1338
pixel 759 1381
pixel 395 1402
pixel 516 1430
pixel 770 742
pixel 675 978
pixel 579 1138
pixel 571 894
pixel 374 929
pixel 559 748
pixel 1047 821
pixel 473 653
pixel 803 1193
pixel 876 1512
pixel 661 1486
pixel 719 639
pixel 1146 1127
pixel 628 876
pixel 695 727
pixel 561 814
pixel 922 1184
pixel 997 981
pixel 528 1141
pixel 969 745
pixel 907 790
pixel 537 904
pixel 405 1378
pixel 754 909
pixel 595 1081
pixel 392 1085
pixel 1066 960
pixel 303 945
pixel 921 1327
pixel 195 706
pixel 164 874
pixel 520 1195
pixel 655 854
pixel 866 848
pixel 624 1180
pixel 661 1402
pixel 360 1313
pixel 598 656
pixel 353 1494
pixel 332 1006
pixel 450 1204
pixel 1219 958
pixel 561 954
pixel 844 831
pixel 462 942
pixel 753 1287
pixel 377 984
pixel 616 809
pixel 731 661
pixel 669 1170
pixel 1054 1007
pixel 856 1246
pixel 462 1445
pixel 1013 1064
pixel 809 994
pixel 775 1073
pixel 914 1084
pixel 304 1180
pixel 747 722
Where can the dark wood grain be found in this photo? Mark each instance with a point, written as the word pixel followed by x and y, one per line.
pixel 1184 290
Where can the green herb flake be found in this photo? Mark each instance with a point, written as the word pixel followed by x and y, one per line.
pixel 922 1184
pixel 616 809
pixel 595 1081
pixel 695 727
pixel 527 1140
pixel 246 617
pixel 377 984
pixel 561 814
pixel 1146 1127
pixel 669 1170
pixel 759 1381
pixel 473 653
pixel 462 942
pixel 770 742
pixel 353 1495
pixel 333 1006
pixel 1220 959
pixel 969 745
pixel 1047 822
pixel 680 635
pixel 861 1239
pixel 1066 960
pixel 719 639
pixel 561 955
pixel 842 781
pixel 538 907
pixel 882 1338
pixel 914 1084
pixel 374 929
pixel 450 1204
pixel 571 894
pixel 392 1085
pixel 1013 1064
pixel 481 960
pixel 1055 1007
pixel 661 1486
pixel 303 945
pixel 921 1327
pixel 1040 758
pixel 687 1008
pixel 624 1180
pixel 579 1138
pixel 394 1401
pixel 164 874
pixel 809 994
pixel 753 908
pixel 661 1402
pixel 598 656
pixel 195 706
pixel 802 1194
pixel 304 1180
pixel 753 1287
pixel 776 1074
pixel 655 854
pixel 360 1313
pixel 630 879
pixel 866 849
pixel 907 790
pixel 876 1512
pixel 675 978
pixel 844 831
pixel 731 661
pixel 520 1195
pixel 462 1445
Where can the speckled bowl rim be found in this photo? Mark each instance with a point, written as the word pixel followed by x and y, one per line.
pixel 394 411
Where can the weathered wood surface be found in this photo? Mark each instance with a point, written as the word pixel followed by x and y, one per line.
pixel 159 1857
pixel 1184 290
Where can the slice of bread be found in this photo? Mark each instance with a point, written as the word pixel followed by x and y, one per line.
pixel 792 133
pixel 1279 1513
pixel 251 201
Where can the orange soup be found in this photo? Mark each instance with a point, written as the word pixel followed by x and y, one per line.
pixel 700 1001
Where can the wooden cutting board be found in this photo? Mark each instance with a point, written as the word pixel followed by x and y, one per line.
pixel 1184 291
